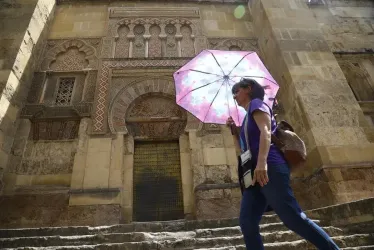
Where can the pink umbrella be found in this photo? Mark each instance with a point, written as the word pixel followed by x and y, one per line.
pixel 203 85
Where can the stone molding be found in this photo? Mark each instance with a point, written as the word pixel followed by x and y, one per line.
pixel 40 111
pixel 123 101
pixel 176 1
pixel 154 12
pixel 54 48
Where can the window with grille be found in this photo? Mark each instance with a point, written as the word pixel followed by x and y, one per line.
pixel 65 91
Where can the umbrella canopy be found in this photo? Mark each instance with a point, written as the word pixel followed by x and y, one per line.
pixel 203 85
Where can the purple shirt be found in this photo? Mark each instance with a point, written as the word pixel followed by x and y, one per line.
pixel 275 156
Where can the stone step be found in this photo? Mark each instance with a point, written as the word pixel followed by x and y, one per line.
pixel 184 240
pixel 163 226
pixel 287 245
pixel 359 248
pixel 143 236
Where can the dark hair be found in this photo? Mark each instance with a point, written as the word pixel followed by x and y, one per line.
pixel 257 91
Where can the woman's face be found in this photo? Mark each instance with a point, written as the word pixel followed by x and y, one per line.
pixel 241 96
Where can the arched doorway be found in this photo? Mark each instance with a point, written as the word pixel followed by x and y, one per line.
pixel 156 123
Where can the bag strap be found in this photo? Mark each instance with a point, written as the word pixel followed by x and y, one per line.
pixel 246 133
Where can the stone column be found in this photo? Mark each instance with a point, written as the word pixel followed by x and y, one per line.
pixel 128 168
pixel 187 176
pixel 315 96
pixel 81 155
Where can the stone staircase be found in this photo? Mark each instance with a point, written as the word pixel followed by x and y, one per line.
pixel 207 234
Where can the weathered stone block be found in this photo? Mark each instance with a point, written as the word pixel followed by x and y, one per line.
pixel 212 141
pixel 218 174
pixel 99 144
pixel 96 178
pixel 213 204
pixel 103 198
pixel 214 156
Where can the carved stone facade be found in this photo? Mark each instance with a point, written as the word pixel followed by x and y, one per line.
pixel 233 44
pixel 104 84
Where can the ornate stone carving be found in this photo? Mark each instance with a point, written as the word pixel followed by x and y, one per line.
pixel 89 88
pixel 168 30
pixel 36 87
pixel 233 44
pixel 125 97
pixel 170 42
pixel 69 55
pixel 70 60
pixel 154 47
pixel 65 91
pixel 187 42
pixel 54 130
pixel 122 43
pixel 99 126
pixel 106 50
pixel 155 117
pixel 33 112
pixel 155 107
pixel 139 43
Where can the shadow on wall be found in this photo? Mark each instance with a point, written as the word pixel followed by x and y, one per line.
pixel 20 46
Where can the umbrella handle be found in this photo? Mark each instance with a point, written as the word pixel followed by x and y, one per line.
pixel 233 129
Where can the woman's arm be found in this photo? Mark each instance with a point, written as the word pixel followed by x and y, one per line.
pixel 263 122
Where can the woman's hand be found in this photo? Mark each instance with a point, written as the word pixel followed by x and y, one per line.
pixel 261 174
pixel 230 122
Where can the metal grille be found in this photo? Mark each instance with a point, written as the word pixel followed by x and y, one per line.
pixel 65 91
pixel 157 182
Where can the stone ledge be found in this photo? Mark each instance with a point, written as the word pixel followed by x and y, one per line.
pixel 58 2
pixel 204 187
pixel 344 214
pixel 94 190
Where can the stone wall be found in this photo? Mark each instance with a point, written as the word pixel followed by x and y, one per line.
pixel 215 179
pixel 314 94
pixel 346 25
pixel 23 29
pixel 53 210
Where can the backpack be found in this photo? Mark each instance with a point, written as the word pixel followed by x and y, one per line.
pixel 290 144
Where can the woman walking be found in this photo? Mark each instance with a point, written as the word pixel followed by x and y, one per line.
pixel 271 175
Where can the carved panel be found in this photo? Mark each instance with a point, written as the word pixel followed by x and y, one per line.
pixel 71 60
pixel 48 157
pixel 139 43
pixel 54 130
pixel 171 48
pixel 33 112
pixel 233 44
pixel 155 41
pixel 154 107
pixel 155 117
pixel 99 126
pixel 36 87
pixel 125 98
pixel 187 43
pixel 68 55
pixel 122 44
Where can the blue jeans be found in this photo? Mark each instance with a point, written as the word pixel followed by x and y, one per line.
pixel 278 194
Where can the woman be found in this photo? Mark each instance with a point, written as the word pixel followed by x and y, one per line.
pixel 271 177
